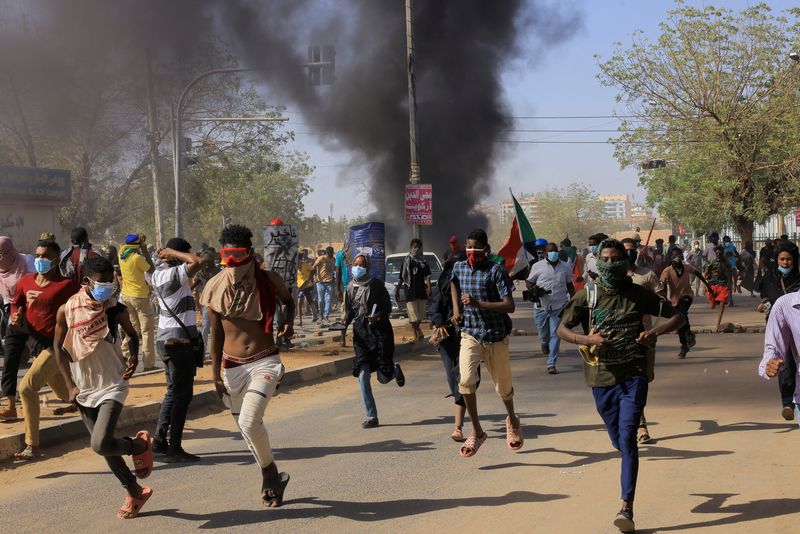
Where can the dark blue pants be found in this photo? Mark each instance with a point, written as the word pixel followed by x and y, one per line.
pixel 180 369
pixel 621 407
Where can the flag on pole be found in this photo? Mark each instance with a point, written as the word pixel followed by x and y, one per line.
pixel 518 249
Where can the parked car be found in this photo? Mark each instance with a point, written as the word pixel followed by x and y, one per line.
pixel 393 264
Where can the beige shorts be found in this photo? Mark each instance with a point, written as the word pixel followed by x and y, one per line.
pixel 417 310
pixel 494 355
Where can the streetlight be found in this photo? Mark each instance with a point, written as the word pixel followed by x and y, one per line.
pixel 326 75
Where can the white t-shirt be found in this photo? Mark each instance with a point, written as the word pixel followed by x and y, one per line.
pixel 99 376
pixel 555 278
pixel 172 285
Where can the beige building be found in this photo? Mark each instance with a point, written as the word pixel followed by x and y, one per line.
pixel 528 205
pixel 616 206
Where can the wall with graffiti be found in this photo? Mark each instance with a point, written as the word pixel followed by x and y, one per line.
pixel 280 252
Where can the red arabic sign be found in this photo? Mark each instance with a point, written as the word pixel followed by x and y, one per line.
pixel 797 217
pixel 419 204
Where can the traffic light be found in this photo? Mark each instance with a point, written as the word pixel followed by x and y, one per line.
pixel 321 65
pixel 654 164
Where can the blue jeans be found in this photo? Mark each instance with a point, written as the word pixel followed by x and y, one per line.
pixel 546 325
pixel 621 407
pixel 364 376
pixel 324 296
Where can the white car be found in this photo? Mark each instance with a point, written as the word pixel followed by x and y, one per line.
pixel 393 264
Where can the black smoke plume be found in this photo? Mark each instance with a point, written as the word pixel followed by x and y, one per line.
pixel 462 47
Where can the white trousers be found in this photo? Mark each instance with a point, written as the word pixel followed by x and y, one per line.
pixel 250 387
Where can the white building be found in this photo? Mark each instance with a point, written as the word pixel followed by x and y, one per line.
pixel 616 206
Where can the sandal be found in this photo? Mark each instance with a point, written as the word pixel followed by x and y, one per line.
pixel 132 506
pixel 472 444
pixel 273 496
pixel 143 462
pixel 514 436
pixel 27 455
pixel 644 437
pixel 72 408
pixel 457 435
pixel 9 414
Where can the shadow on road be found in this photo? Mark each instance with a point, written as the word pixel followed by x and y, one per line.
pixel 709 427
pixel 751 511
pixel 355 511
pixel 588 458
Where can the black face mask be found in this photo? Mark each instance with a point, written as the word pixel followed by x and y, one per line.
pixel 677 261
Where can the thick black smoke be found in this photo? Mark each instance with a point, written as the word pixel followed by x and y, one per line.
pixel 462 47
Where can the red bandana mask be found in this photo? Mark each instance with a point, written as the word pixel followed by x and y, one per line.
pixel 235 257
pixel 475 256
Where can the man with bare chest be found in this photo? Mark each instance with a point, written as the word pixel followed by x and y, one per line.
pixel 241 302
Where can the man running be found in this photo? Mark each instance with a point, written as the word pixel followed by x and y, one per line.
pixel 241 303
pixel 615 363
pixel 324 274
pixel 36 303
pixel 96 375
pixel 483 290
pixel 677 281
pixel 552 281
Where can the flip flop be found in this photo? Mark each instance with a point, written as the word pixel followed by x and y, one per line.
pixel 471 446
pixel 513 436
pixel 8 414
pixel 143 463
pixel 644 437
pixel 273 496
pixel 457 435
pixel 132 506
pixel 27 455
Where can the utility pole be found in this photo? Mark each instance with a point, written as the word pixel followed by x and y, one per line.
pixel 153 138
pixel 412 108
pixel 330 227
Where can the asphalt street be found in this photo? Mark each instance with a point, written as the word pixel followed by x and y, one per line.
pixel 721 460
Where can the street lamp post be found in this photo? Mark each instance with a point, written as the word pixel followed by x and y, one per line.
pixel 176 138
pixel 414 173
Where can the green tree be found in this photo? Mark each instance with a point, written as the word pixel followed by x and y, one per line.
pixel 574 211
pixel 715 96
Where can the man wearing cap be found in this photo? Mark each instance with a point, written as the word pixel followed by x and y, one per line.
pixel 134 262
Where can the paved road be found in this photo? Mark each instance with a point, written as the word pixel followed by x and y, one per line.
pixel 723 461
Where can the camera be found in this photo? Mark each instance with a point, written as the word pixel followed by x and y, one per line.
pixel 535 293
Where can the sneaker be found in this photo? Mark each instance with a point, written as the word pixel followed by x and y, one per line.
pixel 160 446
pixel 692 339
pixel 399 376
pixel 552 371
pixel 180 456
pixel 682 353
pixel 788 413
pixel 545 348
pixel 372 422
pixel 624 521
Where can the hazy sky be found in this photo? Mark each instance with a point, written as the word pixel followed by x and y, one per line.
pixel 562 82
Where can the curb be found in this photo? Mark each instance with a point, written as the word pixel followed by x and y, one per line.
pixel 73 427
pixel 726 328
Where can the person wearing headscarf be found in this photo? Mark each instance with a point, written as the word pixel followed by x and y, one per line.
pixel 367 308
pixel 783 279
pixel 13 266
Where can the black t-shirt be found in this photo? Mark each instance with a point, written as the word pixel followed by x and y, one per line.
pixel 418 271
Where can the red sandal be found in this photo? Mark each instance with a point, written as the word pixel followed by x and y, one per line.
pixel 132 506
pixel 471 446
pixel 143 462
pixel 514 435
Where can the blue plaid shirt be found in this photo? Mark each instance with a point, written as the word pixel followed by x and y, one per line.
pixel 488 282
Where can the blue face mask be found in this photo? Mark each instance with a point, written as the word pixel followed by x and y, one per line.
pixel 785 270
pixel 43 265
pixel 358 271
pixel 103 290
pixel 593 249
pixel 552 256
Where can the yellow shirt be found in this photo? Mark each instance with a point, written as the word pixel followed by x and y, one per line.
pixel 133 282
pixel 303 274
